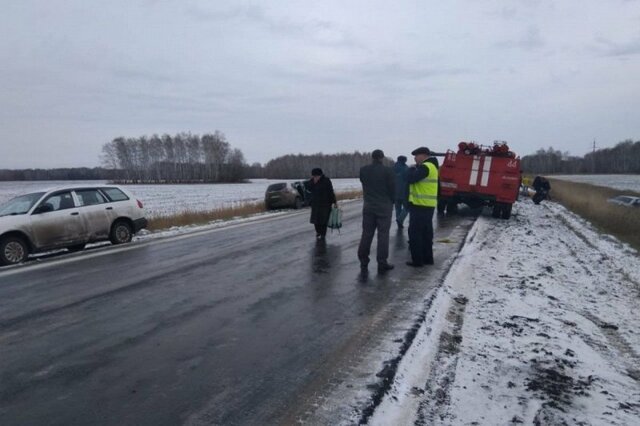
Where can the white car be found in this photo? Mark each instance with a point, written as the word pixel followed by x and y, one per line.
pixel 67 218
pixel 625 200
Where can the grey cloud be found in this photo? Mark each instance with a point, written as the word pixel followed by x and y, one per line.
pixel 141 75
pixel 610 48
pixel 317 31
pixel 530 40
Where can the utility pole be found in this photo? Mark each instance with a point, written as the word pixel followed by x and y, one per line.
pixel 593 158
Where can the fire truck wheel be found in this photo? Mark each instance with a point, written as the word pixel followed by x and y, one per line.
pixel 452 207
pixel 506 211
pixel 442 205
pixel 497 209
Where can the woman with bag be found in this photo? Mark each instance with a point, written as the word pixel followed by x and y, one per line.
pixel 322 199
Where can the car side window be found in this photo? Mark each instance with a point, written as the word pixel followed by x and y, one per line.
pixel 115 194
pixel 90 197
pixel 60 201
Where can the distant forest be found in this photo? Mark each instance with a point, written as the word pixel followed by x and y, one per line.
pixel 187 158
pixel 183 158
pixel 343 165
pixel 624 158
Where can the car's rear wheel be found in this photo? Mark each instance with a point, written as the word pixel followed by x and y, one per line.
pixel 121 232
pixel 13 250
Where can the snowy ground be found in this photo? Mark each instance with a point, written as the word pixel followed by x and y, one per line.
pixel 534 324
pixel 172 199
pixel 622 182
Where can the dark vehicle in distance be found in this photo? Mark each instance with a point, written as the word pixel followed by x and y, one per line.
pixel 625 200
pixel 287 195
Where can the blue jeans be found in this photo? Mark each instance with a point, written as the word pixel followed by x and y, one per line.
pixel 402 210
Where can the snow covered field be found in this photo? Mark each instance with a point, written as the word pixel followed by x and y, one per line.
pixel 171 199
pixel 536 324
pixel 623 182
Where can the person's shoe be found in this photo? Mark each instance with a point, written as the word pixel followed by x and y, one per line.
pixel 319 237
pixel 384 267
pixel 415 265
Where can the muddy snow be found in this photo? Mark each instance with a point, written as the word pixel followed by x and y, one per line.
pixel 535 324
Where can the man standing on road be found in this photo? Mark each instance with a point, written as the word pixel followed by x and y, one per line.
pixel 423 198
pixel 378 186
pixel 402 190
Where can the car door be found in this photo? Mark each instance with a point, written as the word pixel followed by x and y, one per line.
pixel 95 213
pixel 59 224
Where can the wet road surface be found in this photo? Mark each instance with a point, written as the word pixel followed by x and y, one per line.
pixel 238 325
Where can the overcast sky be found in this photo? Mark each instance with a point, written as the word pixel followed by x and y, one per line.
pixel 300 76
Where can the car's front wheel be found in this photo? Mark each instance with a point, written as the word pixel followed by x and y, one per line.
pixel 121 232
pixel 13 250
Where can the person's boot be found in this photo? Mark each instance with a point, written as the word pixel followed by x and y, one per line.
pixel 383 268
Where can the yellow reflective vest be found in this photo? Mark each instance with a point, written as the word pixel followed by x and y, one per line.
pixel 425 192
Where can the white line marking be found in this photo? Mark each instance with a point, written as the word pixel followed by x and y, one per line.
pixel 473 179
pixel 486 167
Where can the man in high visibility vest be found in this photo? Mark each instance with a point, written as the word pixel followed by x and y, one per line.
pixel 423 199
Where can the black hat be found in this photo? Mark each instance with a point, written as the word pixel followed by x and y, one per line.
pixel 402 159
pixel 421 150
pixel 316 172
pixel 377 154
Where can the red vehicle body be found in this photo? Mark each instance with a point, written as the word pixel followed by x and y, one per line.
pixel 480 176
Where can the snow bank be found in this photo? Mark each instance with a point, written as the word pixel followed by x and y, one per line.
pixel 535 324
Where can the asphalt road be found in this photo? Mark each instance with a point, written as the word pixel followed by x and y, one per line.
pixel 232 326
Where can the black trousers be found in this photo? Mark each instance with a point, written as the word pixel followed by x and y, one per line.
pixel 321 229
pixel 371 222
pixel 421 234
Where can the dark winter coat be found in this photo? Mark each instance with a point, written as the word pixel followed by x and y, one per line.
pixel 322 197
pixel 378 186
pixel 401 171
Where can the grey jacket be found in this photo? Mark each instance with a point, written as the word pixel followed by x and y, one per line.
pixel 378 185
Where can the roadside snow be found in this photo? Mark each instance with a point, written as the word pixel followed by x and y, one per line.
pixel 535 324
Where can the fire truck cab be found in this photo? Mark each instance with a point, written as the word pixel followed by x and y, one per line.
pixel 480 176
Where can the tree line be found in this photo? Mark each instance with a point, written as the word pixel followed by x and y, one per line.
pixel 75 173
pixel 182 158
pixel 624 158
pixel 342 165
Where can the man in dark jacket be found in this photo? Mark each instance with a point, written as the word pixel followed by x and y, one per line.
pixel 378 186
pixel 402 190
pixel 322 198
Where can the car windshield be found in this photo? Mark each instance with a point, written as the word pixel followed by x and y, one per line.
pixel 277 187
pixel 20 205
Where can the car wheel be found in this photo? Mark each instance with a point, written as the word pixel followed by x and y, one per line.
pixel 76 247
pixel 121 232
pixel 298 204
pixel 13 250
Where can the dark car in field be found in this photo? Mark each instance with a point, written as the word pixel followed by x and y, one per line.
pixel 625 200
pixel 287 195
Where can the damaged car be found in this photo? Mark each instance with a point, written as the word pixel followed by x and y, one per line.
pixel 287 195
pixel 67 218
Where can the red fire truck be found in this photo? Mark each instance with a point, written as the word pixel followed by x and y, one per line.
pixel 480 176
